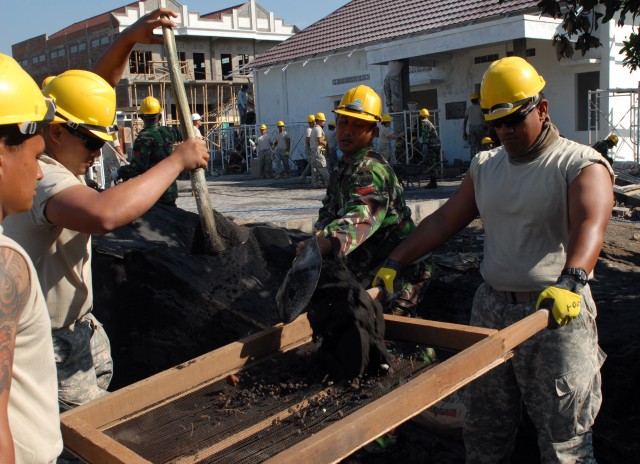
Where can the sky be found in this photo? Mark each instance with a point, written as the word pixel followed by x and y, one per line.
pixel 29 18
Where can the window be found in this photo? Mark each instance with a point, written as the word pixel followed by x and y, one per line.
pixel 243 60
pixel 54 55
pixel 82 46
pixel 140 62
pixel 199 71
pixel 227 66
pixel 61 52
pixel 104 40
pixel 74 49
pixel 585 82
pixel 95 43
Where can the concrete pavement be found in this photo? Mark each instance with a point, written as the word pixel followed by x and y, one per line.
pixel 290 203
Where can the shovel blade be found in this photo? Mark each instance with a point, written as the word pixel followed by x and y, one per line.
pixel 300 282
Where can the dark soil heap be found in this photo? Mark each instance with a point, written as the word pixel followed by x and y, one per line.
pixel 163 302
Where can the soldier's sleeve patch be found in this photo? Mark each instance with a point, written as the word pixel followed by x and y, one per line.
pixel 365 183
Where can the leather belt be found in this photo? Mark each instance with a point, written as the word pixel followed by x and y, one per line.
pixel 516 297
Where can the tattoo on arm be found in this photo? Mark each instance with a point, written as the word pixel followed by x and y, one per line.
pixel 14 291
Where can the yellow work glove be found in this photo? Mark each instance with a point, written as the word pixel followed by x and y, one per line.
pixel 386 277
pixel 286 153
pixel 563 298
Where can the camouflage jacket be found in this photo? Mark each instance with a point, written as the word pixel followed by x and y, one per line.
pixel 364 209
pixel 429 136
pixel 153 144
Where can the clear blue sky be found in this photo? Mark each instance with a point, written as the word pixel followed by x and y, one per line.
pixel 29 18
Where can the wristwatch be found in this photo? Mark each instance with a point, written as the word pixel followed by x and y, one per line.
pixel 576 273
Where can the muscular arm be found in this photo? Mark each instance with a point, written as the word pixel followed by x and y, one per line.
pixel 113 62
pixel 438 227
pixel 590 203
pixel 83 209
pixel 14 290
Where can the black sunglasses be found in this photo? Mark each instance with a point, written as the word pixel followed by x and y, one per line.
pixel 514 120
pixel 90 143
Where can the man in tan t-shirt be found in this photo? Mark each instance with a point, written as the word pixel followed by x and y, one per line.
pixel 29 421
pixel 56 232
pixel 545 203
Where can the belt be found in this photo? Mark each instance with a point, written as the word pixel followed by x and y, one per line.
pixel 516 297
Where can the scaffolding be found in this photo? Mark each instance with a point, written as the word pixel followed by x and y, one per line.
pixel 616 111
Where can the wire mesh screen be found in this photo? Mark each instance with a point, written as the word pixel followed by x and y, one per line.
pixel 261 410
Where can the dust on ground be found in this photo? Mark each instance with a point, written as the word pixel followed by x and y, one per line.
pixel 163 303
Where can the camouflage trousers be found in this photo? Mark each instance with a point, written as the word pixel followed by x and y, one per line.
pixel 266 164
pixel 555 373
pixel 319 165
pixel 282 162
pixel 83 362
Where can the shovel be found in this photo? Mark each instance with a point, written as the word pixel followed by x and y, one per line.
pixel 300 282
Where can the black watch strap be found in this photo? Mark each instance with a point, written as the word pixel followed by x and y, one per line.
pixel 577 273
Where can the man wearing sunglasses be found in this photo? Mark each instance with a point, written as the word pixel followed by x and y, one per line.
pixel 29 422
pixel 56 232
pixel 545 202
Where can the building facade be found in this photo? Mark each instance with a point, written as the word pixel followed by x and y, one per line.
pixel 433 54
pixel 213 50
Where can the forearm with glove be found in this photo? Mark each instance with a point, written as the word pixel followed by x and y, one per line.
pixel 563 298
pixel 387 277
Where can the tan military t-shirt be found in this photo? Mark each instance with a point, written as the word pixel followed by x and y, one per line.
pixel 33 397
pixel 61 256
pixel 524 210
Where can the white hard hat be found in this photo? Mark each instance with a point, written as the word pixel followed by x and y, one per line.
pixel 195 117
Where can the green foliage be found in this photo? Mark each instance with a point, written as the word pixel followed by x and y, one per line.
pixel 581 18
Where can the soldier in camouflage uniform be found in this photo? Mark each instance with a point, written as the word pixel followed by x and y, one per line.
pixel 430 141
pixel 153 144
pixel 537 255
pixel 364 214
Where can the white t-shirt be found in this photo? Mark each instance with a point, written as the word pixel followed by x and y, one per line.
pixel 474 115
pixel 317 134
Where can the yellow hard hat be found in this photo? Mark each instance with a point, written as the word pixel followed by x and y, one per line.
pixel 84 99
pixel 320 116
pixel 22 100
pixel 332 124
pixel 487 140
pixel 424 113
pixel 150 105
pixel 280 124
pixel 473 96
pixel 263 127
pixel 46 81
pixel 361 102
pixel 508 84
pixel 614 138
pixel 386 117
pixel 311 118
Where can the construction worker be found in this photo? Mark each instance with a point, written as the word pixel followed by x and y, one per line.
pixel 332 155
pixel 311 121
pixel 385 137
pixel 153 144
pixel 430 142
pixel 282 142
pixel 265 158
pixel 488 144
pixel 29 419
pixel 364 214
pixel 318 147
pixel 242 102
pixel 537 254
pixel 473 126
pixel 603 146
pixel 197 123
pixel 56 231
